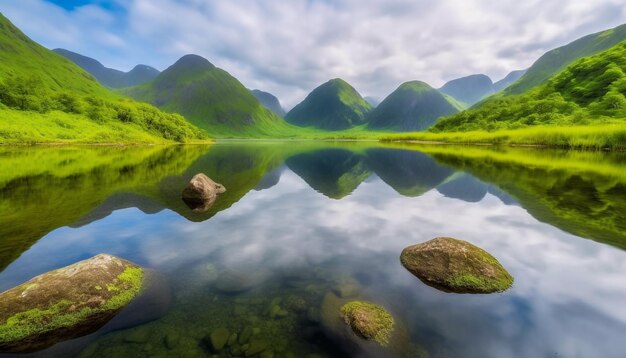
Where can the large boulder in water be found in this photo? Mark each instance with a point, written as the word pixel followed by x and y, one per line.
pixel 66 303
pixel 453 265
pixel 201 192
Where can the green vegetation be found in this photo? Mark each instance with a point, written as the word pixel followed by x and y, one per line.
pixel 595 137
pixel 209 98
pixel 578 192
pixel 59 102
pixel 589 91
pixel 414 106
pixel 368 320
pixel 556 60
pixel 334 105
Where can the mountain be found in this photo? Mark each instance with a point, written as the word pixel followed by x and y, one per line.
pixel 414 106
pixel 590 90
pixel 508 80
pixel 333 172
pixel 269 101
pixel 373 101
pixel 334 105
pixel 108 76
pixel 556 60
pixel 469 89
pixel 208 97
pixel 46 98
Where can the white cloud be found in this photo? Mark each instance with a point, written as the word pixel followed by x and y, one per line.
pixel 288 48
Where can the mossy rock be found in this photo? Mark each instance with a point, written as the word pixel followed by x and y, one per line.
pixel 369 321
pixel 453 265
pixel 361 339
pixel 66 303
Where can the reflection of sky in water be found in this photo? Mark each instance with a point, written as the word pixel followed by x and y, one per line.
pixel 568 297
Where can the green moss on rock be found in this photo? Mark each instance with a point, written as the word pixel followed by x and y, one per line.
pixel 453 265
pixel 66 303
pixel 369 321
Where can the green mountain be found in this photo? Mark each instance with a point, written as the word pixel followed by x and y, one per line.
pixel 508 80
pixel 208 97
pixel 591 90
pixel 46 98
pixel 108 76
pixel 556 60
pixel 334 105
pixel 414 106
pixel 469 89
pixel 269 101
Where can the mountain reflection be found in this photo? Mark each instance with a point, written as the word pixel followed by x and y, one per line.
pixel 42 189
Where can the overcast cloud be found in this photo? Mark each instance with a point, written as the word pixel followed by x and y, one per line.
pixel 290 47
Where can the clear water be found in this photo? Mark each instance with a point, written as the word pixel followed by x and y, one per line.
pixel 300 220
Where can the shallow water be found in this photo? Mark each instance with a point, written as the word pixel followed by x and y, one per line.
pixel 300 220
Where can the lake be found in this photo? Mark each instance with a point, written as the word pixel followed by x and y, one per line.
pixel 300 220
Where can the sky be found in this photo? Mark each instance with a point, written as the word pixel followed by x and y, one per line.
pixel 290 47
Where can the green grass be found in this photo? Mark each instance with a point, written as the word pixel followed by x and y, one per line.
pixel 590 91
pixel 594 137
pixel 554 61
pixel 43 84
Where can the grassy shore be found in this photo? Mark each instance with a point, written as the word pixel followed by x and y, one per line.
pixel 592 137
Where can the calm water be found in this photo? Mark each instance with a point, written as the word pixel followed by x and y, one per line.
pixel 300 220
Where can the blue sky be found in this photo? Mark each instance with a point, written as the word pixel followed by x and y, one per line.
pixel 290 47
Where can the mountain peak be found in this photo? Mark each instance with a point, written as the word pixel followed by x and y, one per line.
pixel 333 105
pixel 194 61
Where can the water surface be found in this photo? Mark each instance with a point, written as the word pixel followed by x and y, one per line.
pixel 299 220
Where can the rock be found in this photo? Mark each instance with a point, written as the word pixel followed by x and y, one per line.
pixel 232 339
pixel 201 192
pixel 245 335
pixel 334 326
pixel 219 338
pixel 66 303
pixel 171 341
pixel 256 346
pixel 368 320
pixel 455 266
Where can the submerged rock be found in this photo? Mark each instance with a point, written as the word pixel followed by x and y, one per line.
pixel 201 192
pixel 362 328
pixel 368 320
pixel 453 265
pixel 66 303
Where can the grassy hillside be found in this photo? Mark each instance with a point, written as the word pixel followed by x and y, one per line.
pixel 556 60
pixel 414 106
pixel 335 105
pixel 208 97
pixel 589 91
pixel 108 76
pixel 46 98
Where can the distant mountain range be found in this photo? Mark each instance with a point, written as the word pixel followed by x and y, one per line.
pixel 471 89
pixel 108 76
pixel 333 105
pixel 269 101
